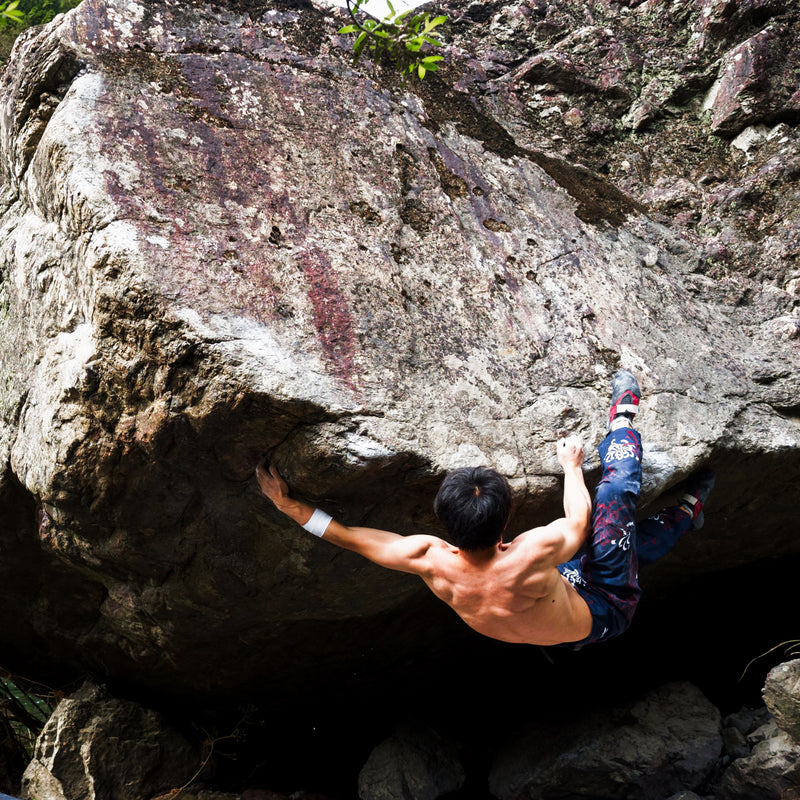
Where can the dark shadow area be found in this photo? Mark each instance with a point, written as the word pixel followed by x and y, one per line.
pixel 478 692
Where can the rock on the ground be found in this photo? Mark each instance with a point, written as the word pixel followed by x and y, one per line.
pixel 770 772
pixel 667 742
pixel 782 696
pixel 685 796
pixel 415 762
pixel 98 747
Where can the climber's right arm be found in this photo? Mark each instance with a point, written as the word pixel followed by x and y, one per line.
pixel 402 553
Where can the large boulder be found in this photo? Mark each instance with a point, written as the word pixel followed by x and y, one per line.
pixel 219 240
pixel 667 742
pixel 98 747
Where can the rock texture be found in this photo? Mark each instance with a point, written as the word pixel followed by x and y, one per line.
pixel 97 747
pixel 414 762
pixel 667 742
pixel 782 696
pixel 666 745
pixel 219 239
pixel 771 771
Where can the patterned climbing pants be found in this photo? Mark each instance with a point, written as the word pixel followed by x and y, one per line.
pixel 606 571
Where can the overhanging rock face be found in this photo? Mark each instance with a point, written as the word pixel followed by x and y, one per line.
pixel 219 240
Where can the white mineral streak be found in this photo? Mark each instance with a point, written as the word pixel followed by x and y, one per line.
pixel 52 417
pixel 68 175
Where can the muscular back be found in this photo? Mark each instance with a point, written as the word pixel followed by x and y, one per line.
pixel 513 592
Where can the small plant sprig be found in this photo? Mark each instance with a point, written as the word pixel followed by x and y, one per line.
pixel 9 11
pixel 398 37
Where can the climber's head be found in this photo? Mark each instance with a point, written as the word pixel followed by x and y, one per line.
pixel 474 503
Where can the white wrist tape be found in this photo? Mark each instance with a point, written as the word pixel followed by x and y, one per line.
pixel 318 523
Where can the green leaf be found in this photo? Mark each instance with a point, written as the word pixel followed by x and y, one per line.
pixel 430 24
pixel 10 11
pixel 358 45
pixel 397 38
pixel 16 16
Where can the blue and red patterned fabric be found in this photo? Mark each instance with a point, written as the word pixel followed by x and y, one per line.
pixel 606 571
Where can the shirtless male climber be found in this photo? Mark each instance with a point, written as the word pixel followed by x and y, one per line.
pixel 548 585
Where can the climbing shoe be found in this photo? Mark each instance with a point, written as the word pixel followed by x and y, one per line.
pixel 625 395
pixel 695 492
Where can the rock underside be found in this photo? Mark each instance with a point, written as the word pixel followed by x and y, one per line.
pixel 221 240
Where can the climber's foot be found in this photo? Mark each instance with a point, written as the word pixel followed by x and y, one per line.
pixel 695 492
pixel 625 396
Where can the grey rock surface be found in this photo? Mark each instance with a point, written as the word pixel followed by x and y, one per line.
pixel 782 696
pixel 219 239
pixel 770 772
pixel 685 796
pixel 415 762
pixel 665 743
pixel 98 747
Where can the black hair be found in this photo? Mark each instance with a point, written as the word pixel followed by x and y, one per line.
pixel 474 503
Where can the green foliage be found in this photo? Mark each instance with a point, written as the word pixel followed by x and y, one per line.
pixel 24 13
pixel 37 12
pixel 10 11
pixel 24 708
pixel 403 39
pixel 15 15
